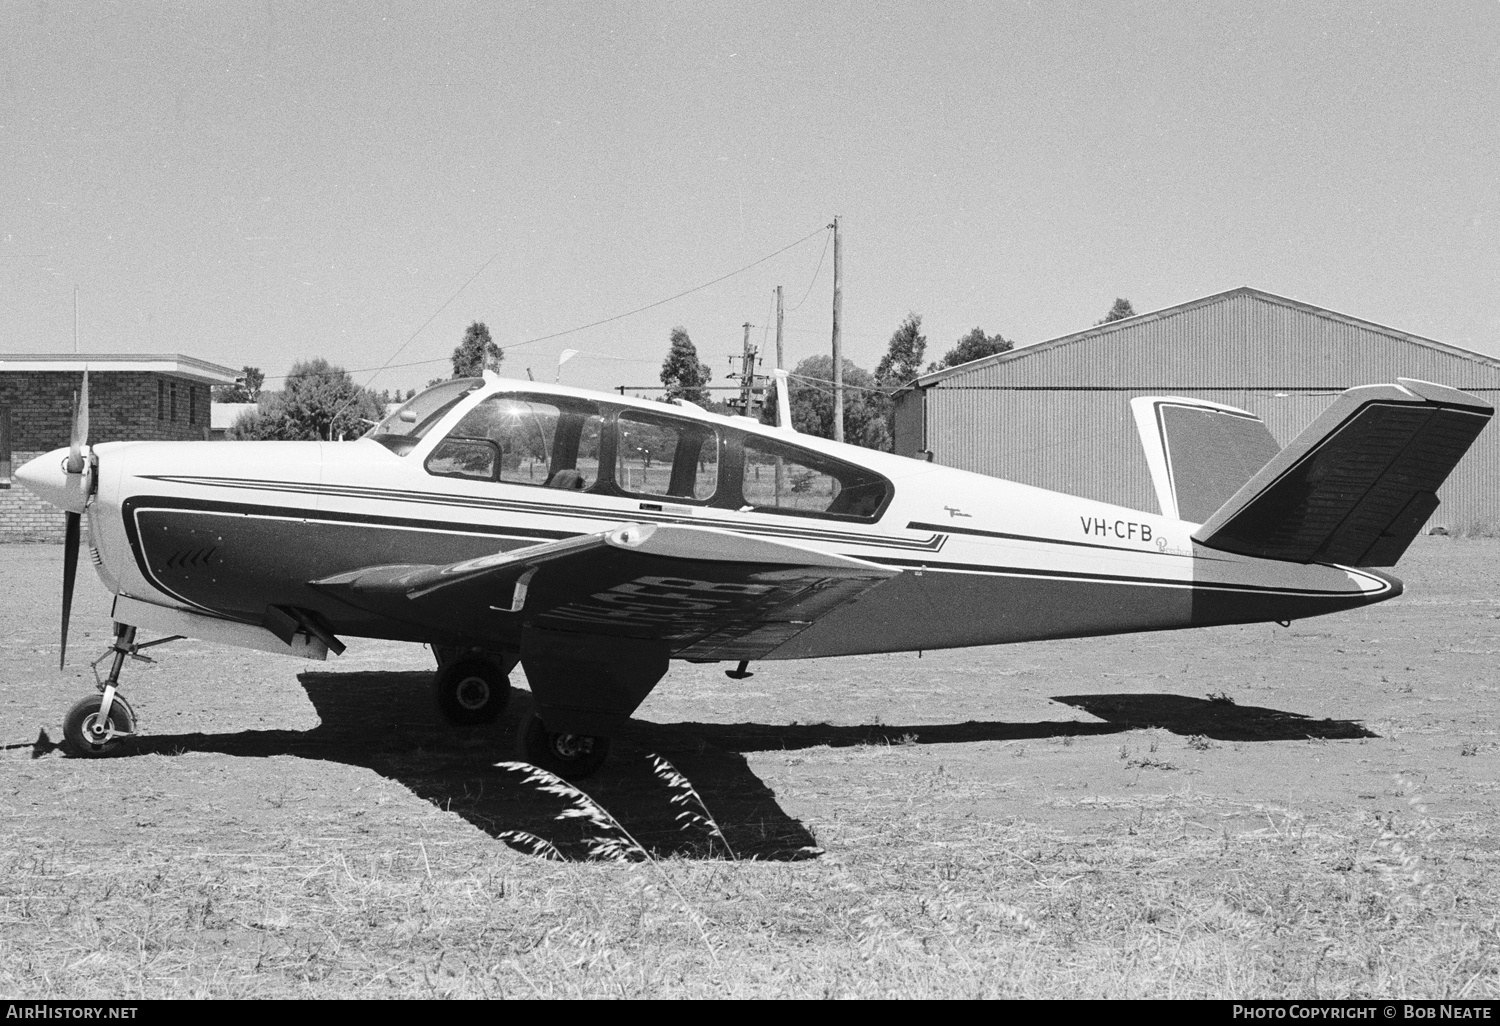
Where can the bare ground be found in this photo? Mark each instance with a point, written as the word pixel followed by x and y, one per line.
pixel 1247 811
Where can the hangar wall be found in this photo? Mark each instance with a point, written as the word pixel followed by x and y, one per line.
pixel 1057 414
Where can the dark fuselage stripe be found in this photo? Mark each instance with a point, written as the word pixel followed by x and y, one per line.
pixel 1157 582
pixel 137 502
pixel 976 532
pixel 930 544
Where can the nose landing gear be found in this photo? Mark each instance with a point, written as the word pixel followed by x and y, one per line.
pixel 91 730
pixel 97 724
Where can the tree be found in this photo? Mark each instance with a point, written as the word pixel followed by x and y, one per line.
pixel 476 353
pixel 1121 310
pixel 319 401
pixel 903 357
pixel 973 346
pixel 682 372
pixel 245 390
pixel 811 393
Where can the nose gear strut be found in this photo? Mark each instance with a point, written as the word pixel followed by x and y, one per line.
pixel 97 724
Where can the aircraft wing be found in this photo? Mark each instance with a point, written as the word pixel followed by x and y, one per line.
pixel 710 594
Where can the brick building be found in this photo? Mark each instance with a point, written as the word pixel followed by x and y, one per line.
pixel 131 396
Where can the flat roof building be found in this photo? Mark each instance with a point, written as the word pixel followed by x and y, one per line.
pixel 131 396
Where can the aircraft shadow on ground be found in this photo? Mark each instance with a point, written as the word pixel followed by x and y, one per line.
pixel 385 722
pixel 1215 718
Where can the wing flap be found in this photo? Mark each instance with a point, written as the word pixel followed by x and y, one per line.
pixel 710 594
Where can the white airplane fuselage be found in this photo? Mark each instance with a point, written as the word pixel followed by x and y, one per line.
pixel 228 529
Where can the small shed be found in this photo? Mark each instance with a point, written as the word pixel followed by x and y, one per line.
pixel 223 416
pixel 131 396
pixel 1057 414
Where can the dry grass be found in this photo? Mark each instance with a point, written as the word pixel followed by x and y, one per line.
pixel 1172 906
pixel 995 822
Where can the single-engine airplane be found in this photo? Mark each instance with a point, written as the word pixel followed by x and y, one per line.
pixel 592 538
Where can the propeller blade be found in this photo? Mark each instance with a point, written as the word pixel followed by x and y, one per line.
pixel 80 427
pixel 75 451
pixel 70 572
pixel 83 411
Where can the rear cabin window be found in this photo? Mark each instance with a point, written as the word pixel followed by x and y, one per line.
pixel 778 478
pixel 664 456
pixel 517 439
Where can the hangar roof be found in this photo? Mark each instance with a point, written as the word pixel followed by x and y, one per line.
pixel 161 363
pixel 1331 349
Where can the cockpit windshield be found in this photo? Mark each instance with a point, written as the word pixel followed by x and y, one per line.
pixel 403 429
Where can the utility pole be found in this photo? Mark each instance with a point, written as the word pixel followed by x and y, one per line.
pixel 780 354
pixel 750 394
pixel 838 351
pixel 747 373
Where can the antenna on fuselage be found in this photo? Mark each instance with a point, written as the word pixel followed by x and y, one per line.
pixel 783 402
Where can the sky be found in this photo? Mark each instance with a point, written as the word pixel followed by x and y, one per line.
pixel 264 182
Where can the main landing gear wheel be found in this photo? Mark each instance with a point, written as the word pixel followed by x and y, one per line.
pixel 86 734
pixel 570 756
pixel 471 690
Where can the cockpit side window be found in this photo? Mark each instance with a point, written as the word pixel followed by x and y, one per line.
pixel 666 456
pixel 779 478
pixel 526 440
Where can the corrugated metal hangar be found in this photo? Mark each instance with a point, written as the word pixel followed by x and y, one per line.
pixel 1057 414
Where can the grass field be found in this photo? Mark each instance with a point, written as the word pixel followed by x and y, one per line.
pixel 1238 812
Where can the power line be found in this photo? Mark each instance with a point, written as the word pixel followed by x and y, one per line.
pixel 816 272
pixel 816 382
pixel 660 302
pixel 559 334
pixel 434 317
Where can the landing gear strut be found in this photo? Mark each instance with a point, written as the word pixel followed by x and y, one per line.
pixel 98 723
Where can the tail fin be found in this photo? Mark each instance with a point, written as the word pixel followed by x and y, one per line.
pixel 1358 484
pixel 1199 452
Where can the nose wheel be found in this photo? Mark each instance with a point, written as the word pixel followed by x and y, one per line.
pixel 91 732
pixel 99 724
pixel 570 756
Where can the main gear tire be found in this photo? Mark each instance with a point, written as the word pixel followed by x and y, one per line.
pixel 471 690
pixel 570 756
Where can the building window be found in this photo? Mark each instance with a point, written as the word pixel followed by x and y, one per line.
pixel 173 401
pixel 192 404
pixel 161 399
